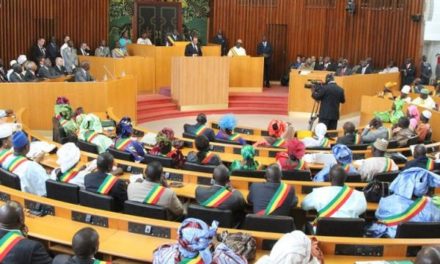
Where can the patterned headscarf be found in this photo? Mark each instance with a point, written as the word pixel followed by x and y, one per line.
pixel 414 116
pixel 90 122
pixel 124 128
pixel 194 238
pixel 228 122
pixel 248 152
pixel 296 148
pixel 342 154
pixel 414 181
pixel 276 128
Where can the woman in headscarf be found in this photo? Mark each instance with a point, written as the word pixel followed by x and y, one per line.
pixel 248 163
pixel 227 125
pixel 168 146
pixel 408 202
pixel 394 115
pixel 294 248
pixel 414 116
pixel 292 159
pixel 91 131
pixel 319 140
pixel 125 142
pixel 343 156
pixel 64 114
pixel 69 171
pixel 276 131
pixel 203 155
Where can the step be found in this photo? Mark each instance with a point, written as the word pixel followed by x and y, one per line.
pixel 259 103
pixel 156 107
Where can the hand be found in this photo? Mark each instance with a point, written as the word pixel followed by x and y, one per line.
pixel 163 181
pixel 316 251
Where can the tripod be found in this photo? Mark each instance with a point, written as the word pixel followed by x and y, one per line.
pixel 314 114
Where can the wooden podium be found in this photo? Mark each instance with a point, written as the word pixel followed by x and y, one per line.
pixel 200 83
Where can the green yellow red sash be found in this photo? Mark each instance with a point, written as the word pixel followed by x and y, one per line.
pixel 69 175
pixel 429 164
pixel 415 208
pixel 121 144
pixel 357 139
pixel 63 122
pixel 325 143
pixel 171 40
pixel 207 158
pixel 91 136
pixel 388 165
pixel 154 195
pixel 16 162
pixel 5 154
pixel 196 260
pixel 337 202
pixel 218 198
pixel 301 165
pixel 96 261
pixel 107 184
pixel 234 52
pixel 201 130
pixel 234 137
pixel 8 242
pixel 346 168
pixel 278 143
pixel 277 200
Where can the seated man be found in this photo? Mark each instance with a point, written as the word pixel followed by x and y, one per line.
pixel 423 129
pixel 420 159
pixel 203 155
pixel 221 195
pixel 16 74
pixel 16 247
pixel 103 182
pixel 44 71
pixel 237 50
pixel 408 203
pixel 272 197
pixel 153 189
pixel 200 128
pixel 119 52
pixel 82 74
pixel 344 158
pixel 30 73
pixel 102 50
pixel 373 131
pixel 32 175
pixel 378 163
pixel 402 132
pixel 425 100
pixel 58 69
pixel 350 136
pixel 350 203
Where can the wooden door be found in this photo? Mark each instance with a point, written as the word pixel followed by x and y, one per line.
pixel 277 36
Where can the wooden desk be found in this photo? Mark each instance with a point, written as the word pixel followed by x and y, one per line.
pixel 246 74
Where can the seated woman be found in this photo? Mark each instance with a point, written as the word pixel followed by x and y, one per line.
pixel 124 141
pixel 203 155
pixel 65 116
pixel 319 140
pixel 168 146
pixel 408 202
pixel 69 171
pixel 344 157
pixel 227 124
pixel 277 133
pixel 393 115
pixel 292 159
pixel 91 131
pixel 248 163
pixel 414 116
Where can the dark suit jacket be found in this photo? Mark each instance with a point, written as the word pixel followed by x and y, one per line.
pixel 44 72
pixel 26 252
pixel 14 77
pixel 52 51
pixel 83 76
pixel 36 53
pixel 346 139
pixel 59 71
pixel 223 42
pixel 346 72
pixel 191 129
pixel 408 74
pixel 234 203
pixel 190 50
pixel 260 195
pixel 261 50
pixel 319 66
pixel 29 76
pixel 331 67
pixel 92 182
pixel 330 96
pixel 369 70
pixel 65 259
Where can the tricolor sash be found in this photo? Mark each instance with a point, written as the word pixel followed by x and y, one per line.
pixel 8 242
pixel 196 260
pixel 429 164
pixel 388 165
pixel 16 162
pixel 207 158
pixel 97 261
pixel 277 200
pixel 122 144
pixel 201 130
pixel 346 168
pixel 337 202
pixel 90 136
pixel 415 208
pixel 217 198
pixel 234 137
pixel 63 122
pixel 278 143
pixel 325 143
pixel 69 175
pixel 171 40
pixel 234 52
pixel 357 139
pixel 107 184
pixel 301 165
pixel 154 195
pixel 5 154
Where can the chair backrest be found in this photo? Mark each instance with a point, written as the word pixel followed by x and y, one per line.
pixel 413 140
pixel 9 179
pixel 121 155
pixel 319 148
pixel 386 176
pixel 269 223
pixel 188 135
pixel 250 174
pixel 297 175
pixel 224 217
pixel 418 230
pixel 229 142
pixel 358 146
pixel 166 162
pixel 353 177
pixel 96 200
pixel 198 167
pixel 87 147
pixel 61 191
pixel 145 210
pixel 392 144
pixel 345 227
pixel 57 131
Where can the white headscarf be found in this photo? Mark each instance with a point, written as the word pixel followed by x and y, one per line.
pixel 68 155
pixel 292 248
pixel 317 140
pixel 320 130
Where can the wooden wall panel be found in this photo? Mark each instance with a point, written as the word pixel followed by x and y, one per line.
pixel 323 27
pixel 23 21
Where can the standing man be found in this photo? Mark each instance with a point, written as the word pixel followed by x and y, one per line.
pixel 220 39
pixel 331 96
pixel 38 50
pixel 237 50
pixel 408 72
pixel 52 50
pixel 193 48
pixel 264 48
pixel 70 57
pixel 425 71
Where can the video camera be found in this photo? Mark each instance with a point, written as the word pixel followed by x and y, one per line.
pixel 313 84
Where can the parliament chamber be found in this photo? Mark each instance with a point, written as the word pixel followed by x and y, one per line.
pixel 255 131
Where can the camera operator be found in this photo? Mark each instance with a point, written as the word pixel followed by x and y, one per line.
pixel 331 96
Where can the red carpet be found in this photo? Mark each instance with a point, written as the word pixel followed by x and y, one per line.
pixel 160 106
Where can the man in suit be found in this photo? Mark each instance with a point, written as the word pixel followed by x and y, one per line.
pixel 350 136
pixel 220 39
pixel 52 50
pixel 193 48
pixel 262 194
pixel 84 49
pixel 82 74
pixel 38 50
pixel 200 128
pixel 25 251
pixel 264 48
pixel 408 72
pixel 364 68
pixel 70 57
pixel 58 69
pixel 425 71
pixel 95 180
pixel 44 71
pixel 330 96
pixel 103 50
pixel 16 75
pixel 329 65
pixel 344 69
pixel 172 37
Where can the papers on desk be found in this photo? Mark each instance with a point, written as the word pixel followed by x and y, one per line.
pixel 323 158
pixel 39 147
pixel 149 139
pixel 385 262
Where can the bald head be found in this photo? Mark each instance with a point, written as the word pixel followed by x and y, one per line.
pixel 11 215
pixel 273 173
pixel 419 151
pixel 428 255
pixel 337 175
pixel 85 243
pixel 221 175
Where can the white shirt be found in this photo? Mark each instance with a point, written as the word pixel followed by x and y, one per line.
pixel 427 103
pixel 373 166
pixel 320 198
pixel 234 51
pixel 77 180
pixel 390 70
pixel 8 74
pixel 146 41
pixel 62 48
